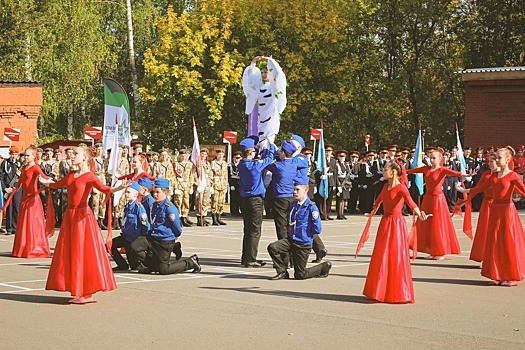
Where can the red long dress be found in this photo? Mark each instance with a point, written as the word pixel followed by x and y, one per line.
pixel 30 237
pixel 504 257
pixel 478 245
pixel 80 262
pixel 436 235
pixel 389 277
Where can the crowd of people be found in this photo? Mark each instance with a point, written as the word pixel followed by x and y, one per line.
pixel 153 194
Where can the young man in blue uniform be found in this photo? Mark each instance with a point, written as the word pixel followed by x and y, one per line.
pixel 305 223
pixel 154 250
pixel 252 198
pixel 136 224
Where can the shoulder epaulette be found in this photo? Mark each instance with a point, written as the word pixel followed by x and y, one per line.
pixel 138 204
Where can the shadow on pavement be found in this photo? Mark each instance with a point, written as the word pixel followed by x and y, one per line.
pixel 300 295
pixel 430 264
pixel 37 299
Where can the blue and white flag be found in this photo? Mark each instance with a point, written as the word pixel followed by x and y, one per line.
pixel 417 162
pixel 321 167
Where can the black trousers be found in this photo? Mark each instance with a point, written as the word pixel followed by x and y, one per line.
pixel 119 242
pixel 235 202
pixel 155 254
pixel 252 216
pixel 280 249
pixel 281 216
pixel 11 215
pixel 318 244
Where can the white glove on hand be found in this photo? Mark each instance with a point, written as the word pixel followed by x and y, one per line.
pixel 191 191
pixel 177 192
pixel 323 177
pixel 353 177
pixel 382 179
pixel 315 190
pixel 365 187
pixel 369 175
pixel 212 191
pixel 339 189
pixel 409 184
pixel 468 178
pixel 232 188
pixel 459 188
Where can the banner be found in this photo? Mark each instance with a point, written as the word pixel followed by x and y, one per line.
pixel 417 162
pixel 116 107
pixel 196 159
pixel 321 167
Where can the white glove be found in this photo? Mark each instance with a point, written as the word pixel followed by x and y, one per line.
pixel 191 190
pixel 323 177
pixel 315 190
pixel 365 187
pixel 382 179
pixel 459 188
pixel 95 190
pixel 369 175
pixel 333 188
pixel 468 178
pixel 409 184
pixel 177 192
pixel 352 177
pixel 232 188
pixel 448 188
pixel 339 189
pixel 212 191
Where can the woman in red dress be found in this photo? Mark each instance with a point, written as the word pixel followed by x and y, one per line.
pixel 478 245
pixel 80 262
pixel 389 277
pixel 437 235
pixel 30 238
pixel 504 256
pixel 140 169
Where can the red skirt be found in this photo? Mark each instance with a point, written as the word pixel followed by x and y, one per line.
pixel 504 258
pixel 478 245
pixel 80 262
pixel 30 237
pixel 389 277
pixel 436 235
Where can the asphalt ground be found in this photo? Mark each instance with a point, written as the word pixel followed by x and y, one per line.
pixel 227 306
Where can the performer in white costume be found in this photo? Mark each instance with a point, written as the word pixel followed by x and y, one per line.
pixel 265 89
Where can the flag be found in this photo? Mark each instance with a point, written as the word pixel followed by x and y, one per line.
pixel 196 159
pixel 417 162
pixel 116 103
pixel 461 156
pixel 321 167
pixel 114 157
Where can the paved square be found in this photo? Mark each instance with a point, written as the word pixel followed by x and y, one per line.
pixel 231 307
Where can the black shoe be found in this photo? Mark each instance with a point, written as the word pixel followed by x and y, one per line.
pixel 214 218
pixel 194 260
pixel 344 217
pixel 120 269
pixel 184 223
pixel 280 276
pixel 3 230
pixel 206 222
pixel 326 269
pixel 319 257
pixel 144 270
pixel 219 220
pixel 258 263
pixel 187 218
pixel 201 222
pixel 101 224
pixel 177 249
pixel 329 218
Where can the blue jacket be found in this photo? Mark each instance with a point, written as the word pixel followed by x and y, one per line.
pixel 284 171
pixel 137 223
pixel 302 167
pixel 147 202
pixel 305 222
pixel 250 173
pixel 165 221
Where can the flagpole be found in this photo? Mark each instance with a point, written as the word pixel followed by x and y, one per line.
pixel 324 174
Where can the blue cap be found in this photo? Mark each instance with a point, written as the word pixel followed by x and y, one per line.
pixel 255 139
pixel 146 182
pixel 134 185
pixel 162 183
pixel 289 146
pixel 247 143
pixel 303 180
pixel 298 139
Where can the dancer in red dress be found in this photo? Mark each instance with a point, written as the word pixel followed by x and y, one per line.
pixel 389 277
pixel 437 235
pixel 140 169
pixel 80 262
pixel 504 257
pixel 478 245
pixel 30 238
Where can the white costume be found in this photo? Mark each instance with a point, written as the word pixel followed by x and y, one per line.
pixel 269 97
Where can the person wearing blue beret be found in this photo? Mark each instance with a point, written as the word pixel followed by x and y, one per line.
pixel 136 223
pixel 252 197
pixel 305 224
pixel 154 250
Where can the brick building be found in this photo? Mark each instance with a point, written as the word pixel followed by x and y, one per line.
pixel 20 104
pixel 494 96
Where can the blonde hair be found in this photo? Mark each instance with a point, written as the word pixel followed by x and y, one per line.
pixel 507 153
pixel 87 153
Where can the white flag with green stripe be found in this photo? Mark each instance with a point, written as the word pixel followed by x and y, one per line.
pixel 116 110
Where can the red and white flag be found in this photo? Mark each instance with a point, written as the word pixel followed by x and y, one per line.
pixel 196 159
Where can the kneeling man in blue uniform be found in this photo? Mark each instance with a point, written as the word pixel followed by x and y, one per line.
pixel 154 250
pixel 305 223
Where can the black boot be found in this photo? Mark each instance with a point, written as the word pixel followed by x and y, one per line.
pixel 187 218
pixel 183 222
pixel 219 220
pixel 214 218
pixel 101 224
pixel 200 221
pixel 177 249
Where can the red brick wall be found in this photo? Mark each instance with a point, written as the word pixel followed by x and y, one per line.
pixel 495 113
pixel 20 105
